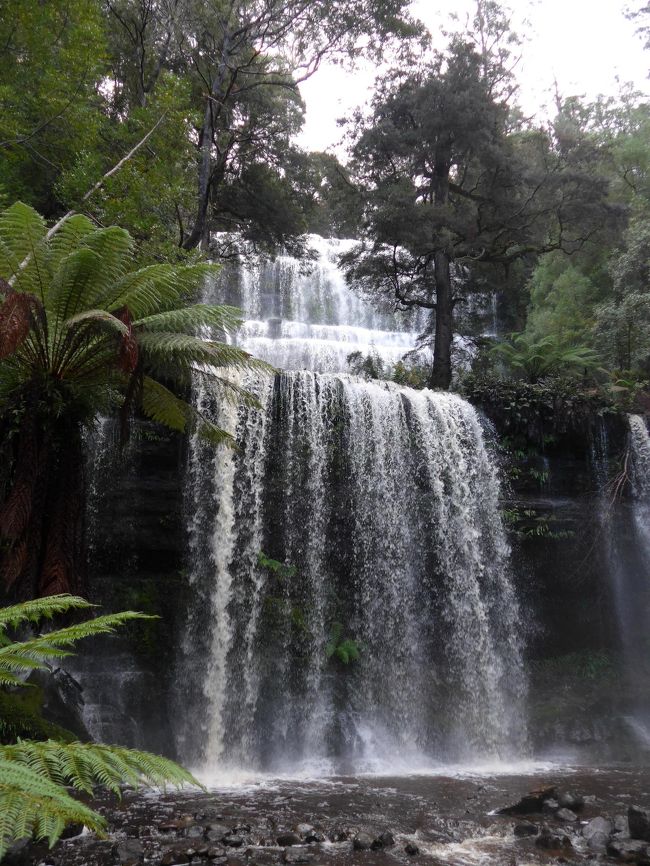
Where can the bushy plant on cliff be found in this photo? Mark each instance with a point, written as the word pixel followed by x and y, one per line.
pixel 83 333
pixel 533 359
pixel 538 410
pixel 35 776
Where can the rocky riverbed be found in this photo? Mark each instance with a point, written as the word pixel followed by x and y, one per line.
pixel 553 816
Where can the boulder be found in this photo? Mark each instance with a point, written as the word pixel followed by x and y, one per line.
pixel 639 823
pixel 128 851
pixel 384 840
pixel 525 828
pixel 629 850
pixel 621 825
pixel 217 831
pixel 597 833
pixel 174 858
pixel 551 841
pixel 569 800
pixel 233 840
pixel 304 829
pixel 362 842
pixel 194 832
pixel 285 840
pixel 566 815
pixel 531 803
pixel 550 805
pixel 297 854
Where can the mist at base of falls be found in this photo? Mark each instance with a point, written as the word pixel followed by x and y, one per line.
pixel 382 504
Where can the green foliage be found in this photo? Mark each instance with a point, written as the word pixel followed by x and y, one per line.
pixel 280 570
pixel 563 300
pixel 34 776
pixel 343 649
pixel 404 372
pixel 529 523
pixel 366 366
pixel 537 411
pixel 21 717
pixel 18 658
pixel 533 360
pixel 52 57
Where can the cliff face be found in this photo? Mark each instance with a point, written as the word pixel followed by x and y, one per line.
pixel 561 525
pixel 137 554
pixel 568 526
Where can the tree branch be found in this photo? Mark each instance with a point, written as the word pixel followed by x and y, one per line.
pixel 100 183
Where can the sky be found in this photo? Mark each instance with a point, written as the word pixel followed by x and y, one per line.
pixel 583 44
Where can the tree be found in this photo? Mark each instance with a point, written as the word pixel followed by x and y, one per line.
pixel 52 56
pixel 244 60
pixel 35 776
pixel 82 333
pixel 457 185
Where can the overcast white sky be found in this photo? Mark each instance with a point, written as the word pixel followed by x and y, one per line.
pixel 584 44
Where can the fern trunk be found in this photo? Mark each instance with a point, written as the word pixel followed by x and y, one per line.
pixel 42 548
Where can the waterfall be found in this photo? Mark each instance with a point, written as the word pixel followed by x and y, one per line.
pixel 353 607
pixel 626 526
pixel 302 315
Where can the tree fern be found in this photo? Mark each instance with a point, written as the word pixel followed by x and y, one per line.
pixel 81 332
pixel 34 776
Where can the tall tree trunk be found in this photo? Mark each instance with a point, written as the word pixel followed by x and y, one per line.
pixel 441 372
pixel 204 178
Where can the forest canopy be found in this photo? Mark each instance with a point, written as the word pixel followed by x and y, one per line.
pixel 458 199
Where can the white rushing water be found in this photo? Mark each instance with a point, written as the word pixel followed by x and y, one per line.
pixel 626 544
pixel 382 504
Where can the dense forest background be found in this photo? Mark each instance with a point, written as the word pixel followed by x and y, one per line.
pixel 457 198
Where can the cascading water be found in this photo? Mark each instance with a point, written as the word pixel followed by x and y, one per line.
pixel 380 629
pixel 631 585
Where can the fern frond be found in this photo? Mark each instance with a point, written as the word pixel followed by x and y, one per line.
pixel 33 653
pixel 156 288
pixel 33 805
pixel 101 318
pixel 186 350
pixel 40 608
pixel 161 405
pixel 85 766
pixel 189 319
pixel 69 238
pixel 33 776
pixel 74 286
pixel 22 230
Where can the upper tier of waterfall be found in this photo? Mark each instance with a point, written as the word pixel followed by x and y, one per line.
pixel 301 315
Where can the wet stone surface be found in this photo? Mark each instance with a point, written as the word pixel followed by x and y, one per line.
pixel 372 821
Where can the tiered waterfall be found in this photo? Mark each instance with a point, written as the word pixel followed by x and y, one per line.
pixel 389 638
